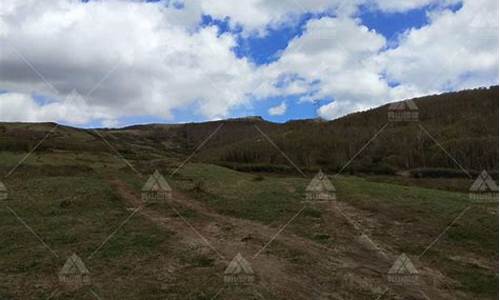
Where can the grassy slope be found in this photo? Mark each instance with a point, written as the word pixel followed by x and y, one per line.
pixel 73 209
pixel 411 218
pixel 464 123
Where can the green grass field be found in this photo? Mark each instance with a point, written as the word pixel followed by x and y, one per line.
pixel 69 203
pixel 421 214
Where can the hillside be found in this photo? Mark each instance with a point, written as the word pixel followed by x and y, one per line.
pixel 79 191
pixel 462 124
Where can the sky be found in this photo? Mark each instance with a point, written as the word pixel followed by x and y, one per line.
pixel 113 63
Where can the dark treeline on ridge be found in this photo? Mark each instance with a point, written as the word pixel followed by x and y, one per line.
pixel 458 128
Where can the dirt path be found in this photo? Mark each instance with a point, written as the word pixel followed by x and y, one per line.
pixel 295 268
pixel 431 283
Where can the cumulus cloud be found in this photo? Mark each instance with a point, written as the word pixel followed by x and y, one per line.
pixel 456 50
pixel 329 60
pixel 401 6
pixel 256 16
pixel 131 58
pixel 126 58
pixel 16 107
pixel 341 59
pixel 278 110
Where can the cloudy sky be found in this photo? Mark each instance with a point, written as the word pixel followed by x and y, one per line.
pixel 120 62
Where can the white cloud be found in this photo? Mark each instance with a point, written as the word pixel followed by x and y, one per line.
pixel 329 61
pixel 339 58
pixel 278 110
pixel 16 107
pixel 456 50
pixel 256 16
pixel 150 60
pixel 138 59
pixel 405 5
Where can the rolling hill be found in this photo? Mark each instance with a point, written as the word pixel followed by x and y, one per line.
pixel 78 193
pixel 455 130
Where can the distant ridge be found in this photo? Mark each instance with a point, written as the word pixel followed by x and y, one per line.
pixel 464 123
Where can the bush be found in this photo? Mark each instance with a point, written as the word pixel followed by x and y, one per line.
pixel 256 167
pixel 437 173
pixel 371 168
pixel 258 178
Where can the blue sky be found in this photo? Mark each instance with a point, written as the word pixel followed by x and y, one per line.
pixel 264 50
pixel 179 61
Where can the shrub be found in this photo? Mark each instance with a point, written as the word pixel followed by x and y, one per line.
pixel 437 173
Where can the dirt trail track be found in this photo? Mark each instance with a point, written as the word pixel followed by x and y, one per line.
pixel 353 270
